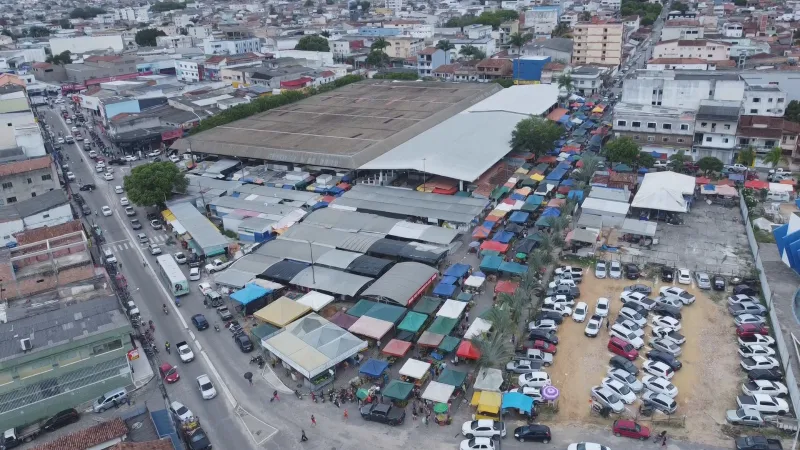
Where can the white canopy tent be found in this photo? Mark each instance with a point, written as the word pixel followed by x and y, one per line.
pixel 315 300
pixel 452 309
pixel 780 187
pixel 474 282
pixel 664 191
pixel 478 327
pixel 489 379
pixel 438 392
pixel 415 369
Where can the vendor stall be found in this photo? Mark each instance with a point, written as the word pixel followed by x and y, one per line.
pixel 415 371
pixel 413 322
pixel 487 405
pixel 343 319
pixel 513 268
pixel 449 343
pixel 458 270
pixel 430 340
pixel 281 312
pixel 427 305
pixel 398 391
pixel 315 300
pixel 444 290
pixel 491 263
pixel 371 327
pixel 494 246
pixel 505 287
pixel 452 377
pixel 443 325
pixel 519 217
pixel 396 348
pixel 468 350
pixel 373 368
pixel 474 283
pixel 386 312
pixel 452 309
pixel 488 379
pixel 517 401
pixel 438 392
pixel 361 308
pixel 477 328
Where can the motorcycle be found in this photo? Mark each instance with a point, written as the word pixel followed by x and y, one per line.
pixel 216 327
pixel 258 359
pixel 166 310
pixel 298 394
pixel 166 347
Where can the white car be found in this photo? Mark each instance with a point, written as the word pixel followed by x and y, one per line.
pixel 632 315
pixel 668 334
pixel 108 176
pixel 536 355
pixel 106 210
pixel 677 293
pixel 757 339
pixel 532 392
pixel 124 201
pixel 615 270
pixel 600 270
pixel 534 379
pixel 736 299
pixel 661 402
pixel 543 324
pixel 206 387
pixel 658 369
pixel 748 318
pixel 684 276
pixel 180 411
pixel 60 140
pixel 587 446
pixel 660 385
pixel 483 428
pixel 180 258
pixel 70 176
pixel 205 288
pixel 562 282
pixel 153 154
pixel 638 298
pixel 666 322
pixel 759 362
pixel 480 443
pixel 621 389
pixel 581 309
pixel 194 274
pixel 118 190
pixel 601 308
pixel 747 351
pixel 764 404
pixel 130 158
pixel 99 168
pixel 669 301
pixel 607 397
pixel 593 326
pixel 154 249
pixel 772 388
pixel 630 326
pixel 560 299
pixel 626 377
pixel 92 154
pixel 185 352
pixel 557 308
pixel 174 158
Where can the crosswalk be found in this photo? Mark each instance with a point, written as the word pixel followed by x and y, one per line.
pixel 126 244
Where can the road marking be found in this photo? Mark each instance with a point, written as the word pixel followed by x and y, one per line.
pixel 116 242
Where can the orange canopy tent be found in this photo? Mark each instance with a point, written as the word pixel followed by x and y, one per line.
pixel 505 287
pixel 397 348
pixel 494 246
pixel 468 350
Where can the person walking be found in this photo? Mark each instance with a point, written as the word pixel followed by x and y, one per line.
pixel 303 436
pixel 345 414
pixel 313 421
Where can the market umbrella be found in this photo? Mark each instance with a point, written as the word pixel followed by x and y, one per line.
pixel 248 376
pixel 362 394
pixel 440 408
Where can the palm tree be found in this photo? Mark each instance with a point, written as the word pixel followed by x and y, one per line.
pixel 561 30
pixel 545 245
pixel 518 40
pixel 495 349
pixel 445 45
pixel 589 164
pixel 773 157
pixel 747 157
pixel 565 82
pixel 467 51
pixel 379 44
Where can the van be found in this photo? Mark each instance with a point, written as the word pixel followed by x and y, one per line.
pixel 108 255
pixel 778 197
pixel 626 335
pixel 109 399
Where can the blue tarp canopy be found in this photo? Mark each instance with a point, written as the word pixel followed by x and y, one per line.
pixel 557 174
pixel 513 268
pixel 449 280
pixel 444 290
pixel 165 427
pixel 457 270
pixel 516 196
pixel 518 401
pixel 551 211
pixel 576 194
pixel 491 263
pixel 534 200
pixel 373 367
pixel 519 217
pixel 736 177
pixel 564 119
pixel 568 182
pixel 250 293
pixel 503 237
pixel 623 168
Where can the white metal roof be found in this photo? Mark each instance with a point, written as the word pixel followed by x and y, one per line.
pixel 664 191
pixel 315 300
pixel 414 368
pixel 596 205
pixel 525 100
pixel 452 309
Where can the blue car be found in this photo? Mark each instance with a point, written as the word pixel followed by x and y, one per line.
pixel 200 322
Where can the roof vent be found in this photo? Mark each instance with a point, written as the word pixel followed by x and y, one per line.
pixel 25 344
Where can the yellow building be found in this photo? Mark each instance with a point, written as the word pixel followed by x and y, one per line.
pixel 597 42
pixel 403 46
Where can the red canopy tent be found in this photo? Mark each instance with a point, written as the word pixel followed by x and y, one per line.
pixel 505 287
pixel 397 348
pixel 494 246
pixel 726 183
pixel 481 233
pixel 547 159
pixel 756 184
pixel 701 180
pixel 468 350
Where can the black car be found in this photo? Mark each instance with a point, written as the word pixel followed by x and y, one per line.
pixel 744 289
pixel 757 443
pixel 620 362
pixel 88 187
pixel 552 315
pixel 152 216
pixel 667 274
pixel 244 342
pixel 544 335
pixel 196 439
pixel 533 433
pixel 718 283
pixel 85 209
pixel 666 310
pixel 116 162
pixel 632 271
pixel 61 419
pixel 200 322
pixel 641 288
pixel 666 358
pixel 765 374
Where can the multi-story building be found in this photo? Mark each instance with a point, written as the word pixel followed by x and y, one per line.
pixel 682 29
pixel 680 64
pixel 27 178
pixel 655 128
pixel 101 67
pixel 697 48
pixel 231 46
pixel 715 130
pixel 395 5
pixel 403 46
pixel 82 44
pixel 732 29
pixel 611 4
pixel 176 41
pixel 20 130
pixel 213 65
pixel 542 20
pixel 428 59
pixel 765 133
pixel 587 80
pixel 484 44
pixel 189 70
pixel 140 14
pixel 558 49
pixel 682 89
pixel 494 69
pixel 597 42
pixel 764 100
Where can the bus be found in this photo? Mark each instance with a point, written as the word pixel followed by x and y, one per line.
pixel 172 275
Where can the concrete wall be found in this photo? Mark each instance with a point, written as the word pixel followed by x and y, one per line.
pixel 85 44
pixel 23 184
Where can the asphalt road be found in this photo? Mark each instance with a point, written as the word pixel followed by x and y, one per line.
pixel 216 415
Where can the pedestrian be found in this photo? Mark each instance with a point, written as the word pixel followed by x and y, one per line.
pixel 274 396
pixel 466 316
pixel 303 436
pixel 250 380
pixel 425 420
pixel 336 402
pixel 607 324
pixel 345 414
pixel 664 440
pixel 313 420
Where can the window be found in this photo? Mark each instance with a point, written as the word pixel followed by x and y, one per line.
pixel 708 139
pixel 47 177
pixel 684 127
pixel 680 140
pixel 666 126
pixel 666 139
pixel 780 100
pixel 769 144
pixel 106 347
pixel 703 124
pixel 769 100
pixel 753 111
pixel 725 140
pixel 756 100
pixel 622 123
pixel 727 126
pixel 30 180
pixel 743 141
pixel 10 200
pixel 651 138
pixel 7 185
pixel 635 124
pixel 651 125
pixel 636 138
pixel 33 194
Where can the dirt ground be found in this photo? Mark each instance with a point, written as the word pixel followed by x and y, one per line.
pixel 707 383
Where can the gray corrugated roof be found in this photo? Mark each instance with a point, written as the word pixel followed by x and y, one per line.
pixel 34 205
pixel 710 112
pixel 401 282
pixel 272 211
pixel 338 259
pixel 61 325
pixel 350 220
pixel 283 194
pixel 344 240
pixel 331 281
pixel 203 232
pixel 295 250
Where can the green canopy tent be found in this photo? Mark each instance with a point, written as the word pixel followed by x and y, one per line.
pixel 499 192
pixel 491 263
pixel 529 182
pixel 360 308
pixel 388 313
pixel 464 297
pixel 443 325
pixel 452 377
pixel 427 305
pixel 398 390
pixel 412 322
pixel 449 344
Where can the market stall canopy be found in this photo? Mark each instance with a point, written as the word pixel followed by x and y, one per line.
pixel 448 280
pixel 315 300
pixel 728 191
pixel 780 187
pixel 312 345
pixel 452 377
pixel 281 312
pixel 389 313
pixel 403 283
pixel 491 263
pixel 250 293
pixel 444 290
pixel 481 232
pixel 468 350
pixel 398 390
pixel 373 367
pixel 477 328
pixel 427 305
pixel 488 379
pixel 428 339
pixel 505 287
pixel 330 280
pixel 457 270
pixel 519 217
pixel 756 184
pixel 449 343
pixel 397 348
pixel 371 327
pixel 443 325
pixel 639 227
pixel 474 282
pixel 361 308
pixel 664 191
pixel 452 309
pixel 413 322
pixel 513 268
pixel 583 235
pixel 343 319
pixel 415 368
pixel 518 401
pixel 438 392
pixel 494 246
pixel 264 331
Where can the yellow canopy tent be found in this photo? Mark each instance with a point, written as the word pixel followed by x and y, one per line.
pixel 282 312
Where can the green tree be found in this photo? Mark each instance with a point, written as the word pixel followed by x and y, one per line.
pixel 792 111
pixel 325 33
pixel 151 184
pixel 166 6
pixel 589 164
pixel 565 82
pixel 272 10
pixel 678 6
pixel 86 13
pixel 365 5
pixel 64 24
pixel 330 2
pixel 518 40
pixel 62 58
pixel 561 30
pixel 147 37
pixel 747 157
pixel 313 43
pixel 38 31
pixel 446 46
pixel 710 164
pixel 309 3
pixel 472 52
pixel 495 349
pixel 740 2
pixel 677 160
pixel 622 150
pixel 379 45
pixel 377 58
pixel 774 157
pixel 535 135
pixel 586 16
pixel 645 160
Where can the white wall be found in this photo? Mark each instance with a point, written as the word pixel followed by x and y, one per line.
pixel 85 44
pixel 770 103
pixel 8 229
pixel 54 216
pixel 314 59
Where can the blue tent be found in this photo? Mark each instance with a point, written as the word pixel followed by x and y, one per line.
pixel 373 367
pixel 557 174
pixel 250 293
pixel 457 270
pixel 568 182
pixel 643 170
pixel 448 280
pixel 444 290
pixel 576 194
pixel 518 217
pixel 516 196
pixel 503 236
pixel 551 211
pixel 534 200
pixel 518 401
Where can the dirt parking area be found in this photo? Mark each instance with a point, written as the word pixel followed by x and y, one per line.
pixel 707 383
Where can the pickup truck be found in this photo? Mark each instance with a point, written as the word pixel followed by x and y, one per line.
pixel 757 443
pixel 570 291
pixel 224 313
pixel 737 167
pixel 217 265
pixel 765 404
pixel 780 170
pixel 574 273
pixel 185 352
pixel 383 413
pixel 15 437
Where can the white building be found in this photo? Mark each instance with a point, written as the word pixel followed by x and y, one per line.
pixel 175 41
pixel 231 46
pixel 682 89
pixel 542 20
pixel 764 100
pixel 83 44
pixel 732 29
pixel 187 70
pixel 394 5
pixel 700 49
pixel 682 29
pixel 140 14
pixel 715 130
pixel 198 31
pixel 611 4
pixel 680 64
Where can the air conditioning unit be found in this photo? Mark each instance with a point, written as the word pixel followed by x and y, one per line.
pixel 25 344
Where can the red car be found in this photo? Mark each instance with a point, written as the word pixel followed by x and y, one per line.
pixel 545 347
pixel 751 329
pixel 622 348
pixel 631 429
pixel 169 373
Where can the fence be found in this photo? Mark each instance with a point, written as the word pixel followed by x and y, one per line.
pixel 783 350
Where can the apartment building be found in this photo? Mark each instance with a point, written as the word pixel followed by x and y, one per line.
pixel 542 20
pixel 395 5
pixel 140 14
pixel 715 127
pixel 231 46
pixel 696 48
pixel 765 133
pixel 176 41
pixel 188 70
pixel 20 132
pixel 764 100
pixel 682 29
pixel 587 80
pixel 27 178
pixel 484 44
pixel 597 42
pixel 404 47
pixel 682 89
pixel 495 69
pixel 660 128
pixel 430 58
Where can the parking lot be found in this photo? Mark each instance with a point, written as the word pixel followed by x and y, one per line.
pixel 707 383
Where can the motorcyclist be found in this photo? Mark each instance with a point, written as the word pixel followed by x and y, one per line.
pixel 166 346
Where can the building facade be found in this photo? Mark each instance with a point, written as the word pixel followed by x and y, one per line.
pixel 715 130
pixel 21 180
pixel 597 42
pixel 188 70
pixel 764 100
pixel 682 29
pixel 428 59
pixel 699 48
pixel 403 47
pixel 231 46
pixel 664 129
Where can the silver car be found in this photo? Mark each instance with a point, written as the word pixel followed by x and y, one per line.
pixel 745 416
pixel 523 366
pixel 607 397
pixel 702 279
pixel 600 270
pixel 665 346
pixel 626 377
pixel 615 271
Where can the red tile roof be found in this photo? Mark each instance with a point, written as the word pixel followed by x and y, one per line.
pixel 42 65
pixel 682 23
pixel 327 73
pixel 766 126
pixel 163 444
pixel 446 68
pixel 27 165
pixel 41 234
pixel 427 51
pixel 103 58
pixel 88 437
pixel 494 63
